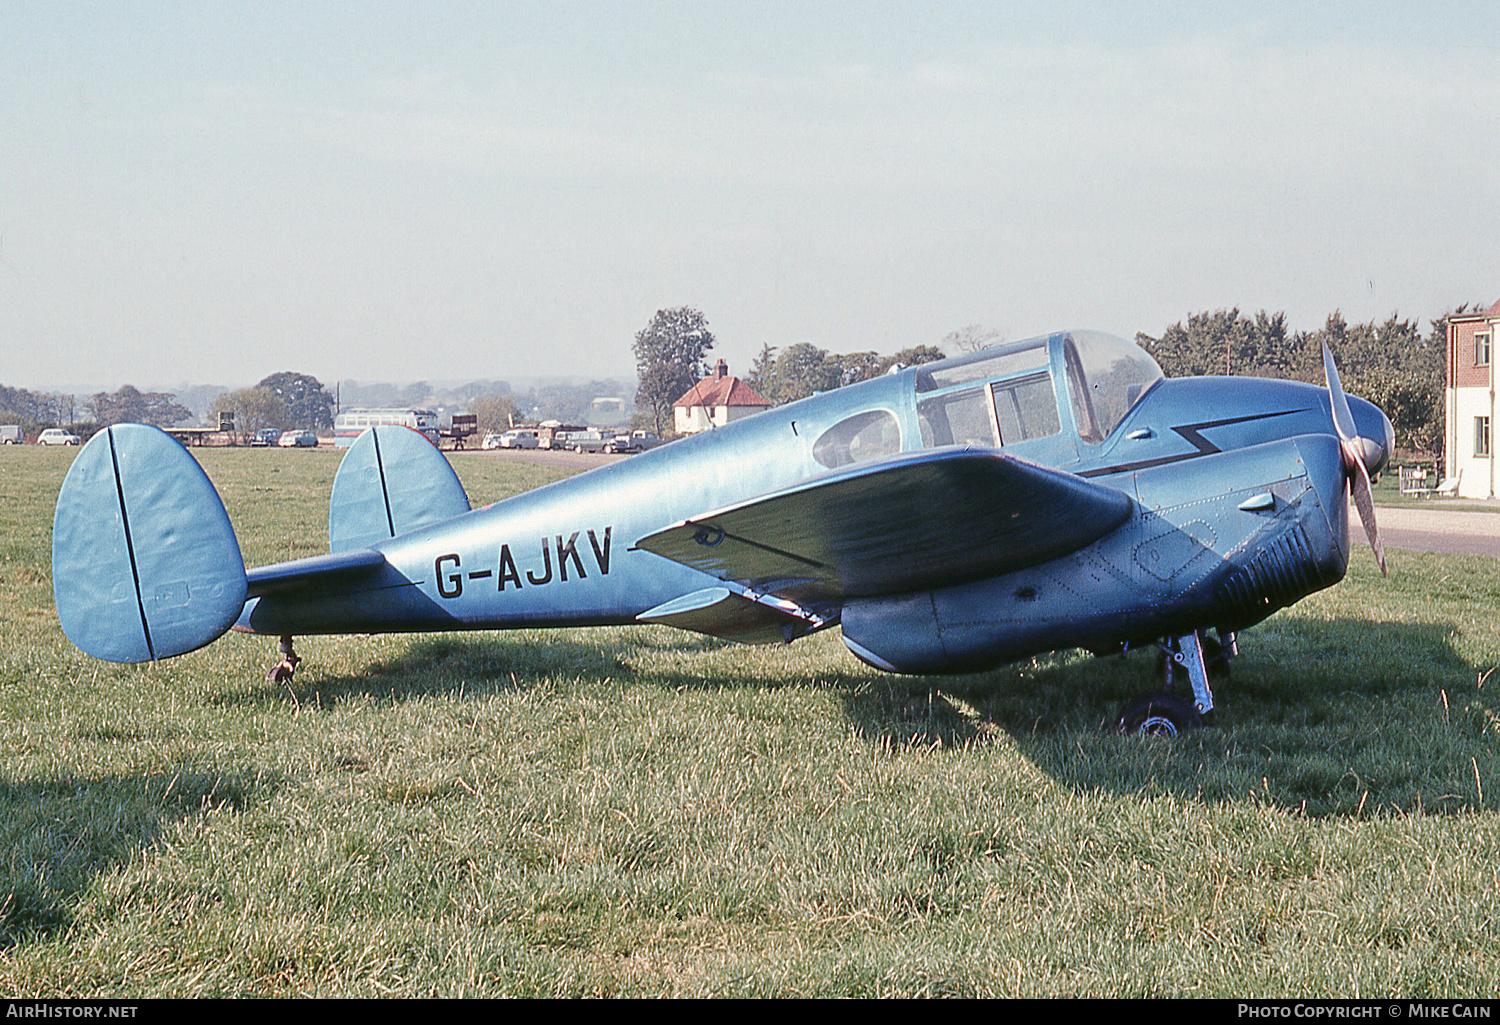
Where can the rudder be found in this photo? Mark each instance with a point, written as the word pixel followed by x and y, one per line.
pixel 145 564
pixel 390 482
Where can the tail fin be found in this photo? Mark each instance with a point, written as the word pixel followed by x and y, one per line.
pixel 145 564
pixel 391 481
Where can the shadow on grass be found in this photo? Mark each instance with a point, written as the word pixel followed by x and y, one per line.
pixel 1326 717
pixel 486 663
pixel 59 832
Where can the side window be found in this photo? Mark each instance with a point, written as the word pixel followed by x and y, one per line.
pixel 858 439
pixel 957 418
pixel 1026 409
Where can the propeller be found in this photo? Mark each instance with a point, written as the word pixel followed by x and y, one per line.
pixel 1359 453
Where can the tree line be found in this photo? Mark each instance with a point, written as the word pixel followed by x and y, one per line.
pixel 669 359
pixel 1393 363
pixel 36 411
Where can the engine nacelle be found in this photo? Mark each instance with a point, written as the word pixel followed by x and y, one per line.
pixel 1180 564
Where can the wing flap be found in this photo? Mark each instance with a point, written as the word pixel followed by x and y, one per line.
pixel 719 612
pixel 916 521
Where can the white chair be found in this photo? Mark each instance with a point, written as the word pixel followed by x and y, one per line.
pixel 1413 480
pixel 1448 488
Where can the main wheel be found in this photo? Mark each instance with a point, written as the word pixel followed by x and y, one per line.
pixel 1158 715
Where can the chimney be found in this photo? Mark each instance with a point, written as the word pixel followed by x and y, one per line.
pixel 721 370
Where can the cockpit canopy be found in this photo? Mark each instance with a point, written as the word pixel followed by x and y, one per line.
pixel 1105 377
pixel 1025 393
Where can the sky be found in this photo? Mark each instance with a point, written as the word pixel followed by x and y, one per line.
pixel 209 193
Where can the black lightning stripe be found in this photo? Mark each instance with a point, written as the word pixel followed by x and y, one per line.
pixel 1191 433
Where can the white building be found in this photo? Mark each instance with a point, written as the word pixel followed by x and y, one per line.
pixel 715 401
pixel 1469 444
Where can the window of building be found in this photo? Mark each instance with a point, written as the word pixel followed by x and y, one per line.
pixel 1482 350
pixel 1481 436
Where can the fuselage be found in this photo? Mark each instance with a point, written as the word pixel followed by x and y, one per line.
pixel 1189 452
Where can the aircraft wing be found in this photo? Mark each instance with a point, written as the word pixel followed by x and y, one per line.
pixel 915 521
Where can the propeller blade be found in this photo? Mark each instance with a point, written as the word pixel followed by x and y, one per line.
pixel 1353 447
pixel 1359 490
pixel 1343 416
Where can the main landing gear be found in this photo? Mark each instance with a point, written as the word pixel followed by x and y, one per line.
pixel 1196 656
pixel 282 671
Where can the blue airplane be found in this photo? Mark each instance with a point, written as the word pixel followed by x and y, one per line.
pixel 1047 494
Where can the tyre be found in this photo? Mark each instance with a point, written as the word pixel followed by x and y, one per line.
pixel 1158 715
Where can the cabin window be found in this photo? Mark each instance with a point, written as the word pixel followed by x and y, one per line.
pixel 1026 409
pixel 858 439
pixel 982 368
pixel 1481 436
pixel 1482 350
pixel 958 418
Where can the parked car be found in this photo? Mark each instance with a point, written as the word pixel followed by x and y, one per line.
pixel 11 434
pixel 635 441
pixel 265 437
pixel 517 438
pixel 298 439
pixel 586 441
pixel 56 436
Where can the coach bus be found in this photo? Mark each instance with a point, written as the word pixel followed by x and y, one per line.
pixel 351 423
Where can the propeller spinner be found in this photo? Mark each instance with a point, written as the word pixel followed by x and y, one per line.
pixel 1359 453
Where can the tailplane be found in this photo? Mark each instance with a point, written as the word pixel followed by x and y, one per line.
pixel 145 564
pixel 390 482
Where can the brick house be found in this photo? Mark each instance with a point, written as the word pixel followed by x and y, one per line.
pixel 715 401
pixel 1470 402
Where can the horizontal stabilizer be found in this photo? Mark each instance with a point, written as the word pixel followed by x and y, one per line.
pixel 915 521
pixel 313 572
pixel 719 612
pixel 391 481
pixel 144 561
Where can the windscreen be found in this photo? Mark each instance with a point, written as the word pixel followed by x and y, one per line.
pixel 1110 375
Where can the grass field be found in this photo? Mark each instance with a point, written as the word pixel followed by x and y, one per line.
pixel 646 812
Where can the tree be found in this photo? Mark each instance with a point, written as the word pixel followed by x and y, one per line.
pixel 803 369
pixel 495 412
pixel 131 405
pixel 669 360
pixel 254 409
pixel 763 371
pixel 972 338
pixel 917 355
pixel 860 366
pixel 800 370
pixel 308 406
pixel 1390 363
pixel 35 411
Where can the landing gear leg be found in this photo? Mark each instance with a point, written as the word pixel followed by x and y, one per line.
pixel 1186 653
pixel 1164 714
pixel 282 671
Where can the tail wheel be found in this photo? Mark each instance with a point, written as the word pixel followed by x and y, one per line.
pixel 1158 715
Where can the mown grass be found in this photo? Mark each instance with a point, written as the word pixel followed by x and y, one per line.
pixel 644 812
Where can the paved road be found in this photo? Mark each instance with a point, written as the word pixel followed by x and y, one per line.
pixel 576 460
pixel 1435 530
